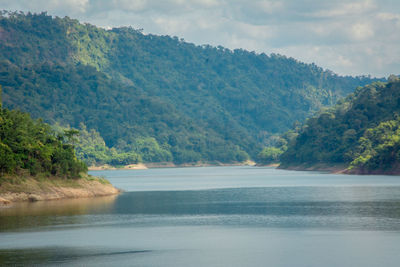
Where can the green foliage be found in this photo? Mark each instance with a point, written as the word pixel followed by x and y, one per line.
pixel 150 150
pixel 360 131
pixel 379 147
pixel 91 148
pixel 26 144
pixel 269 155
pixel 276 146
pixel 187 103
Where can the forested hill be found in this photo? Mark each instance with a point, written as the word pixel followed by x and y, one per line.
pixel 362 132
pixel 158 97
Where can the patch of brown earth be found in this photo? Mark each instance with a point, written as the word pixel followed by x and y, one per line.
pixel 33 190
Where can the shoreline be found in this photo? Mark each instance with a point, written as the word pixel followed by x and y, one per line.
pixel 338 169
pixel 320 167
pixel 335 169
pixel 30 189
pixel 276 165
pixel 139 166
pixel 154 165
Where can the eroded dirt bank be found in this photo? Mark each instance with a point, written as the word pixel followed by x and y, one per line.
pixel 31 189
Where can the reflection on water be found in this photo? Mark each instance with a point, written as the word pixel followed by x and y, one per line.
pixel 289 207
pixel 286 201
pixel 236 177
pixel 228 216
pixel 61 207
pixel 44 213
pixel 57 255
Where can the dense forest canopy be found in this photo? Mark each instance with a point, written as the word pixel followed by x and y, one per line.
pixel 157 98
pixel 31 147
pixel 362 131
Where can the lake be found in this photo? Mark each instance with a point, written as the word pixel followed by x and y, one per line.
pixel 213 216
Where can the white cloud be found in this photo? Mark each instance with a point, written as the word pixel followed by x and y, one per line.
pixel 344 62
pixel 388 16
pixel 361 31
pixel 269 6
pixel 346 9
pixel 68 6
pixel 129 5
pixel 206 3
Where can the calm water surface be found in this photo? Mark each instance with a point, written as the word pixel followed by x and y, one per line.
pixel 214 216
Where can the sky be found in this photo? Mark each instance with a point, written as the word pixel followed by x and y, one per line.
pixel 353 37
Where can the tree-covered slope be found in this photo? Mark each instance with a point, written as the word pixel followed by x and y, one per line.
pixel 362 132
pixel 198 103
pixel 30 146
pixel 124 115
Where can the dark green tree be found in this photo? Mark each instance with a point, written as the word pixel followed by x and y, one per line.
pixel 31 146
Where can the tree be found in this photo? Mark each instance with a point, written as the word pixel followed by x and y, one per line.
pixel 269 155
pixel 28 145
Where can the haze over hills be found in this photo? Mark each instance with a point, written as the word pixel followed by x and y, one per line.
pixel 157 98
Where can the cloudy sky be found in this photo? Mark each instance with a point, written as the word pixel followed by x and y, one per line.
pixel 352 37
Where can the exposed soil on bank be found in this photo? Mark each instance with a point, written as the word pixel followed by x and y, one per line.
pixel 268 165
pixel 392 171
pixel 139 166
pixel 341 169
pixel 33 189
pixel 151 165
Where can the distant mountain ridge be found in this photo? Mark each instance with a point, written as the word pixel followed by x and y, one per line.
pixel 199 103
